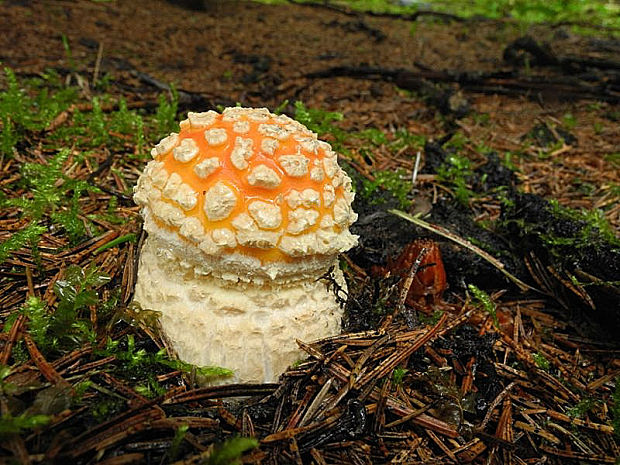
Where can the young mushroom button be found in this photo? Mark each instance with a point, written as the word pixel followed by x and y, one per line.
pixel 245 211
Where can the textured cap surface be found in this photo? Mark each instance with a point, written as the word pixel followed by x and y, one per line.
pixel 250 182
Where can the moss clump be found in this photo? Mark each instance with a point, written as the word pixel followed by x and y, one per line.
pixel 322 122
pixel 579 245
pixel 22 112
pixel 570 236
pixel 67 326
pixel 395 183
pixel 541 361
pixel 457 172
pixel 484 300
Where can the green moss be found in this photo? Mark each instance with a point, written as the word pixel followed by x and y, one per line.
pixel 51 194
pixel 595 12
pixel 567 235
pixel 396 183
pixel 403 138
pixel 541 361
pixel 177 440
pixel 483 299
pixel 97 124
pixel 19 353
pixel 430 320
pixel 22 112
pixel 10 424
pixel 67 326
pixel 593 221
pixel 166 114
pixel 141 364
pixel 230 451
pixel 105 409
pixel 322 122
pixel 150 388
pixel 457 171
pixel 8 136
pixel 98 127
pixel 582 407
pixel 29 236
pixel 374 136
pixel 569 121
pixel 110 214
pixel 398 375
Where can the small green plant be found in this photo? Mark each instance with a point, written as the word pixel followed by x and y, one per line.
pixel 166 114
pixel 230 451
pixel 484 301
pixel 76 291
pixel 177 440
pixel 397 183
pixel 9 423
pixel 402 139
pixel 139 361
pixel 457 171
pixel 581 408
pixel 430 319
pixel 482 119
pixel 541 361
pixel 101 126
pixel 568 235
pixel 321 122
pixel 397 141
pixel 111 215
pixel 6 388
pixel 52 193
pixel 63 328
pixel 22 113
pixel 398 375
pixel 150 387
pixel 457 142
pixel 598 128
pixel 613 159
pixel 593 221
pixel 280 108
pixel 508 161
pixel 29 236
pixel 8 136
pixel 569 121
pixel 104 409
pixel 68 53
pixel 374 136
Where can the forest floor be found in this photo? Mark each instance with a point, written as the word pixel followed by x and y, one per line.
pixel 514 131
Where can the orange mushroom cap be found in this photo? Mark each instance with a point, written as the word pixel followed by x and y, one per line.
pixel 250 182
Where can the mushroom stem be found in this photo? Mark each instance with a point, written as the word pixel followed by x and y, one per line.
pixel 248 327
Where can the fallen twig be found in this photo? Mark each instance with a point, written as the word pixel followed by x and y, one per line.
pixel 465 243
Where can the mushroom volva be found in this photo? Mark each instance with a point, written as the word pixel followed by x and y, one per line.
pixel 245 212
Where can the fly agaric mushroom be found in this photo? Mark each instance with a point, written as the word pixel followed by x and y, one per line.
pixel 245 212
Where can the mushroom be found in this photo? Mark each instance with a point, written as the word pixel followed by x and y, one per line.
pixel 245 212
